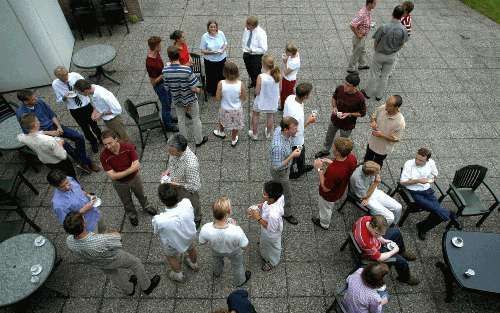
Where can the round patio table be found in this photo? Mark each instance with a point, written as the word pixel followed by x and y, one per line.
pixel 8 136
pixel 96 56
pixel 17 255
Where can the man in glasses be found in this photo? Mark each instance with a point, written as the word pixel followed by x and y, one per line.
pixel 348 103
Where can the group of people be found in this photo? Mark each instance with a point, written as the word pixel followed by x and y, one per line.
pixel 275 88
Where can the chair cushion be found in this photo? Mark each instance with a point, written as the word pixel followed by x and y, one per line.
pixel 473 205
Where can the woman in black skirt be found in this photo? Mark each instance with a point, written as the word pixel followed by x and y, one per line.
pixel 213 46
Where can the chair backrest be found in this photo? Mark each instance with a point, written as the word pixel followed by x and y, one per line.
pixel 339 307
pixel 470 176
pixel 6 111
pixel 81 4
pixel 196 66
pixel 355 247
pixel 132 110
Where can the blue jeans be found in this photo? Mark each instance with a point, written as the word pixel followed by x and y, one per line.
pixel 78 152
pixel 400 263
pixel 166 103
pixel 428 201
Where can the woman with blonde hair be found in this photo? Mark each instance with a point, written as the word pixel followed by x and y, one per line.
pixel 291 66
pixel 267 91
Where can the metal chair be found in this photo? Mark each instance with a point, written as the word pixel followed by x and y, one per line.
pixel 462 192
pixel 411 205
pixel 113 12
pixel 196 66
pixel 145 123
pixel 10 202
pixel 6 111
pixel 358 253
pixel 85 16
pixel 337 304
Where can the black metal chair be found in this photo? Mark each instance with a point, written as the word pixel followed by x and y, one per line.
pixel 145 123
pixel 337 304
pixel 9 200
pixel 358 253
pixel 113 12
pixel 411 205
pixel 6 110
pixel 85 16
pixel 196 66
pixel 462 192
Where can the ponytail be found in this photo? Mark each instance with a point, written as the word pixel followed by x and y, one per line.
pixel 276 74
pixel 268 62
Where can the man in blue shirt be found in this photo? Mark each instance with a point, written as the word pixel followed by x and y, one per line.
pixel 50 125
pixel 70 197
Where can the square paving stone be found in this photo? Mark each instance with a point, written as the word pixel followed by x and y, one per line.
pixel 192 306
pixel 119 305
pixel 83 305
pixel 304 279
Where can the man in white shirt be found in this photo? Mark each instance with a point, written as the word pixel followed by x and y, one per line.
pixel 417 176
pixel 48 149
pixel 226 239
pixel 177 231
pixel 106 106
pixel 254 45
pixel 78 105
pixel 294 107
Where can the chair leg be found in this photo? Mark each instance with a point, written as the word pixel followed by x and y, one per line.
pixel 404 217
pixel 27 183
pixel 332 306
pixel 346 242
pixel 126 24
pixel 448 280
pixel 25 217
pixel 483 218
pixel 342 206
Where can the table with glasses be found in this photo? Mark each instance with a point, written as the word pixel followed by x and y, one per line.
pixel 480 253
pixel 96 56
pixel 17 255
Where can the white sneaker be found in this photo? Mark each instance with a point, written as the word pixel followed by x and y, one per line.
pixel 193 266
pixel 251 135
pixel 178 277
pixel 268 134
pixel 234 142
pixel 219 133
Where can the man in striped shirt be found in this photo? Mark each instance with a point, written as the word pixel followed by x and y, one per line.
pixel 182 82
pixel 378 242
pixel 360 26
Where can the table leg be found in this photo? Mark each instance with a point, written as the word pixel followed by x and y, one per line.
pixel 100 72
pixel 448 280
pixel 105 74
pixel 22 306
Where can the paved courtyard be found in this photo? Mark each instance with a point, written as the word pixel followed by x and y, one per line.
pixel 448 75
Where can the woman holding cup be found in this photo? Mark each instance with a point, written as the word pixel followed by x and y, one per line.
pixel 213 47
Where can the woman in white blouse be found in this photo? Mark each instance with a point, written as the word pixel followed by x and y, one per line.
pixel 213 47
pixel 269 216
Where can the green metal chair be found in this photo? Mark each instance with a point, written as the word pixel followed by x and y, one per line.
pixel 462 192
pixel 337 304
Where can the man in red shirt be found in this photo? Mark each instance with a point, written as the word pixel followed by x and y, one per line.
pixel 121 163
pixel 333 180
pixel 379 243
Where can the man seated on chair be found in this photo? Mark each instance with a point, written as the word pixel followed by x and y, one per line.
pixel 378 242
pixel 417 176
pixel 364 184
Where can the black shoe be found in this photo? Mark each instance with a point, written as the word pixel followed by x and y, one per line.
pixel 134 221
pixel 321 154
pixel 204 141
pixel 420 233
pixel 366 67
pixel 133 280
pixel 174 120
pixel 316 222
pixel 291 219
pixel 294 175
pixel 307 168
pixel 248 274
pixel 378 99
pixel 188 116
pixel 154 283
pixel 364 93
pixel 172 128
pixel 351 71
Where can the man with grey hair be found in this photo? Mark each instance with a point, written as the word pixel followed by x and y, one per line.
pixel 183 172
pixel 78 105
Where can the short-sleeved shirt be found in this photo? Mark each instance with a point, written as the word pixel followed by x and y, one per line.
pixel 185 170
pixel 223 240
pixel 273 215
pixel 105 101
pixel 390 38
pixel 389 125
pixel 359 182
pixel 369 244
pixel 295 110
pixel 96 249
pixel 281 148
pixel 179 79
pixel 337 176
pixel 121 161
pixel 62 88
pixel 412 171
pixel 348 103
pixel 292 63
pixel 184 54
pixel 214 43
pixel 43 113
pixel 64 202
pixel 362 20
pixel 154 66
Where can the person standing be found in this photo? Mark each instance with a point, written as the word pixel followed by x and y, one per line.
pixel 178 38
pixel 406 20
pixel 48 149
pixel 106 107
pixel 78 105
pixel 213 46
pixel 121 163
pixel 50 126
pixel 254 45
pixel 291 66
pixel 154 67
pixel 333 179
pixel 281 156
pixel 387 124
pixel 348 103
pixel 105 252
pixel 294 107
pixel 388 40
pixel 181 81
pixel 360 26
